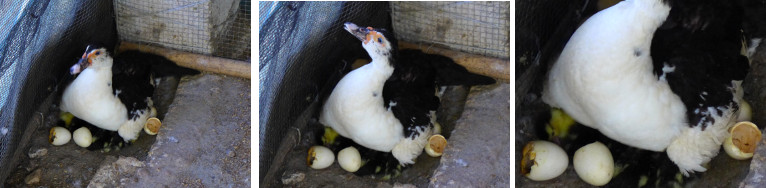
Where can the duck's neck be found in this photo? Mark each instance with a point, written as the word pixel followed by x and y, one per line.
pixel 382 66
pixel 656 10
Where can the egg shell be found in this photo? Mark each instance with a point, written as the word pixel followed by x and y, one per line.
pixel 152 126
pixel 59 136
pixel 435 146
pixel 320 157
pixel 349 159
pixel 82 137
pixel 742 140
pixel 594 164
pixel 543 160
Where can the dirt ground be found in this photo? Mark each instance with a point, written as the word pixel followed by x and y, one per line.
pixel 204 141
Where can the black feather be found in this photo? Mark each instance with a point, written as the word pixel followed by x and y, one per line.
pixel 446 71
pixel 702 40
pixel 413 83
pixel 132 74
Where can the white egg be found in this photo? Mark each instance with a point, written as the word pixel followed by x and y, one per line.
pixel 350 159
pixel 82 137
pixel 594 164
pixel 435 146
pixel 320 157
pixel 437 128
pixel 59 136
pixel 742 140
pixel 745 111
pixel 543 160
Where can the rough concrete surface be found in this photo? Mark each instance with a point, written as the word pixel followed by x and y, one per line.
pixel 479 149
pixel 757 174
pixel 755 93
pixel 207 138
pixel 204 141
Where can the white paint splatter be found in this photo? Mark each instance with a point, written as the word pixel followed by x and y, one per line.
pixel 461 162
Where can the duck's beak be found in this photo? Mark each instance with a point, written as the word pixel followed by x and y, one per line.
pixel 80 65
pixel 360 33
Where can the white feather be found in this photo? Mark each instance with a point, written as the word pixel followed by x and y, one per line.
pixel 598 73
pixel 355 113
pixel 601 82
pixel 90 98
pixel 410 149
pixel 355 110
pixel 130 129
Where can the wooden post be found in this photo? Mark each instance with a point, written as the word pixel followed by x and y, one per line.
pixel 487 66
pixel 195 61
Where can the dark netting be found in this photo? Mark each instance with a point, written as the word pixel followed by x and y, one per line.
pixel 219 28
pixel 302 47
pixel 542 30
pixel 537 22
pixel 35 36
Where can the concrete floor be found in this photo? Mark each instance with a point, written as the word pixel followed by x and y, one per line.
pixel 755 93
pixel 204 141
pixel 480 145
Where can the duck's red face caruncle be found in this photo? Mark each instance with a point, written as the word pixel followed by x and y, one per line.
pixel 86 60
pixel 365 34
pixel 374 40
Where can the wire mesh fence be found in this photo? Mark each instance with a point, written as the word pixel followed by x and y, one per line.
pixel 474 27
pixel 217 28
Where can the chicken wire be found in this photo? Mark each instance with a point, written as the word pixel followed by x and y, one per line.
pixel 475 27
pixel 39 40
pixel 218 28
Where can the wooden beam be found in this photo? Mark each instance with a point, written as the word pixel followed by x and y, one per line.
pixel 195 61
pixel 487 66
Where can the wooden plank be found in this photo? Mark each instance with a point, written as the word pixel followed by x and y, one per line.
pixel 195 61
pixel 487 66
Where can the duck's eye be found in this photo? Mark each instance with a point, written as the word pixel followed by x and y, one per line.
pixel 380 40
pixel 98 52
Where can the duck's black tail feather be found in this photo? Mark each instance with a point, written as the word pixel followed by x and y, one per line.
pixel 160 66
pixel 447 72
pixel 381 164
